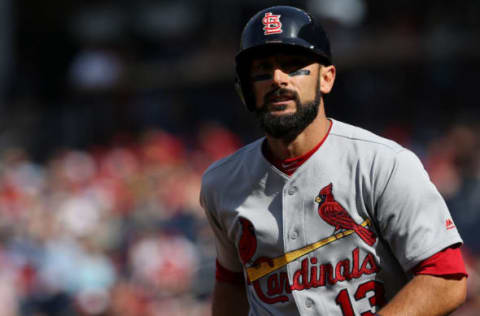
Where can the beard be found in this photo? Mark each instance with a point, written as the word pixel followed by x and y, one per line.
pixel 288 127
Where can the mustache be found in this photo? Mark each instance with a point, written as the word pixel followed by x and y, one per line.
pixel 280 92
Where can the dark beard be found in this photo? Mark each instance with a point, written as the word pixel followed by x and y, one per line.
pixel 288 127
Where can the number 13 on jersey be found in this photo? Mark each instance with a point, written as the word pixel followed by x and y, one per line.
pixel 377 299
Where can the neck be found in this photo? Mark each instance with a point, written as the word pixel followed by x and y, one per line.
pixel 304 142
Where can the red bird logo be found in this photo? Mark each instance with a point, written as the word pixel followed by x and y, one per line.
pixel 334 214
pixel 247 245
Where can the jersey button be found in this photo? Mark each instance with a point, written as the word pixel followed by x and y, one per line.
pixel 292 190
pixel 308 303
pixel 293 235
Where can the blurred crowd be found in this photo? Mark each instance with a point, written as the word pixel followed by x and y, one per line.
pixel 110 111
pixel 118 230
pixel 110 231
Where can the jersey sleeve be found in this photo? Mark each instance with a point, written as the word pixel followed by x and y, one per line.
pixel 410 212
pixel 227 255
pixel 448 262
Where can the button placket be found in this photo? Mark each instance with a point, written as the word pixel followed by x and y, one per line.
pixel 292 190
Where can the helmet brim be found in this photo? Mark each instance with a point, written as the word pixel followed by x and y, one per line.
pixel 293 45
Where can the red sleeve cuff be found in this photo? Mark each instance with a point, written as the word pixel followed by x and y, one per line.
pixel 224 275
pixel 448 262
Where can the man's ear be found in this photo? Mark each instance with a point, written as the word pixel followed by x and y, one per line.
pixel 327 78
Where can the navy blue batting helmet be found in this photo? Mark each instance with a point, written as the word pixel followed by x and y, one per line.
pixel 284 26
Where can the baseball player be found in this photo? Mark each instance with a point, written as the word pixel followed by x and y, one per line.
pixel 320 217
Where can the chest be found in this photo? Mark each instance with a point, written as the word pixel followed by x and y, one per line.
pixel 302 216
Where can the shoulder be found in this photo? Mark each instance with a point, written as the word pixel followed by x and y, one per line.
pixel 376 156
pixel 229 167
pixel 362 139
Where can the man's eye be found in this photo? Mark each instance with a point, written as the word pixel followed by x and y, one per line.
pixel 261 77
pixel 293 64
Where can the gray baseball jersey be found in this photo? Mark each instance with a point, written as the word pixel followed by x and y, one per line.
pixel 338 237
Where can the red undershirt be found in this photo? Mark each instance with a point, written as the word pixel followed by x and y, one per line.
pixel 447 262
pixel 290 165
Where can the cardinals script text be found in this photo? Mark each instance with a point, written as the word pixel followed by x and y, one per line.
pixel 312 274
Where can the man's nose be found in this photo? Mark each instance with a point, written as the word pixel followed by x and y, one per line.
pixel 280 78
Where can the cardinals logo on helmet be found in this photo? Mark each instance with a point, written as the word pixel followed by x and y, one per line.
pixel 334 214
pixel 272 24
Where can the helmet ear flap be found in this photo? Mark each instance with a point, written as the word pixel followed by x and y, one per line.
pixel 240 91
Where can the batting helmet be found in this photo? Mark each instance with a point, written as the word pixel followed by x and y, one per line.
pixel 284 26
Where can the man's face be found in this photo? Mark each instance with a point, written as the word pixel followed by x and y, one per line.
pixel 287 93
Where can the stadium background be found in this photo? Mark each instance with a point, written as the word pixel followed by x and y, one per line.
pixel 111 110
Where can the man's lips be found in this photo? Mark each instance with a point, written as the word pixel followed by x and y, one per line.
pixel 280 99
